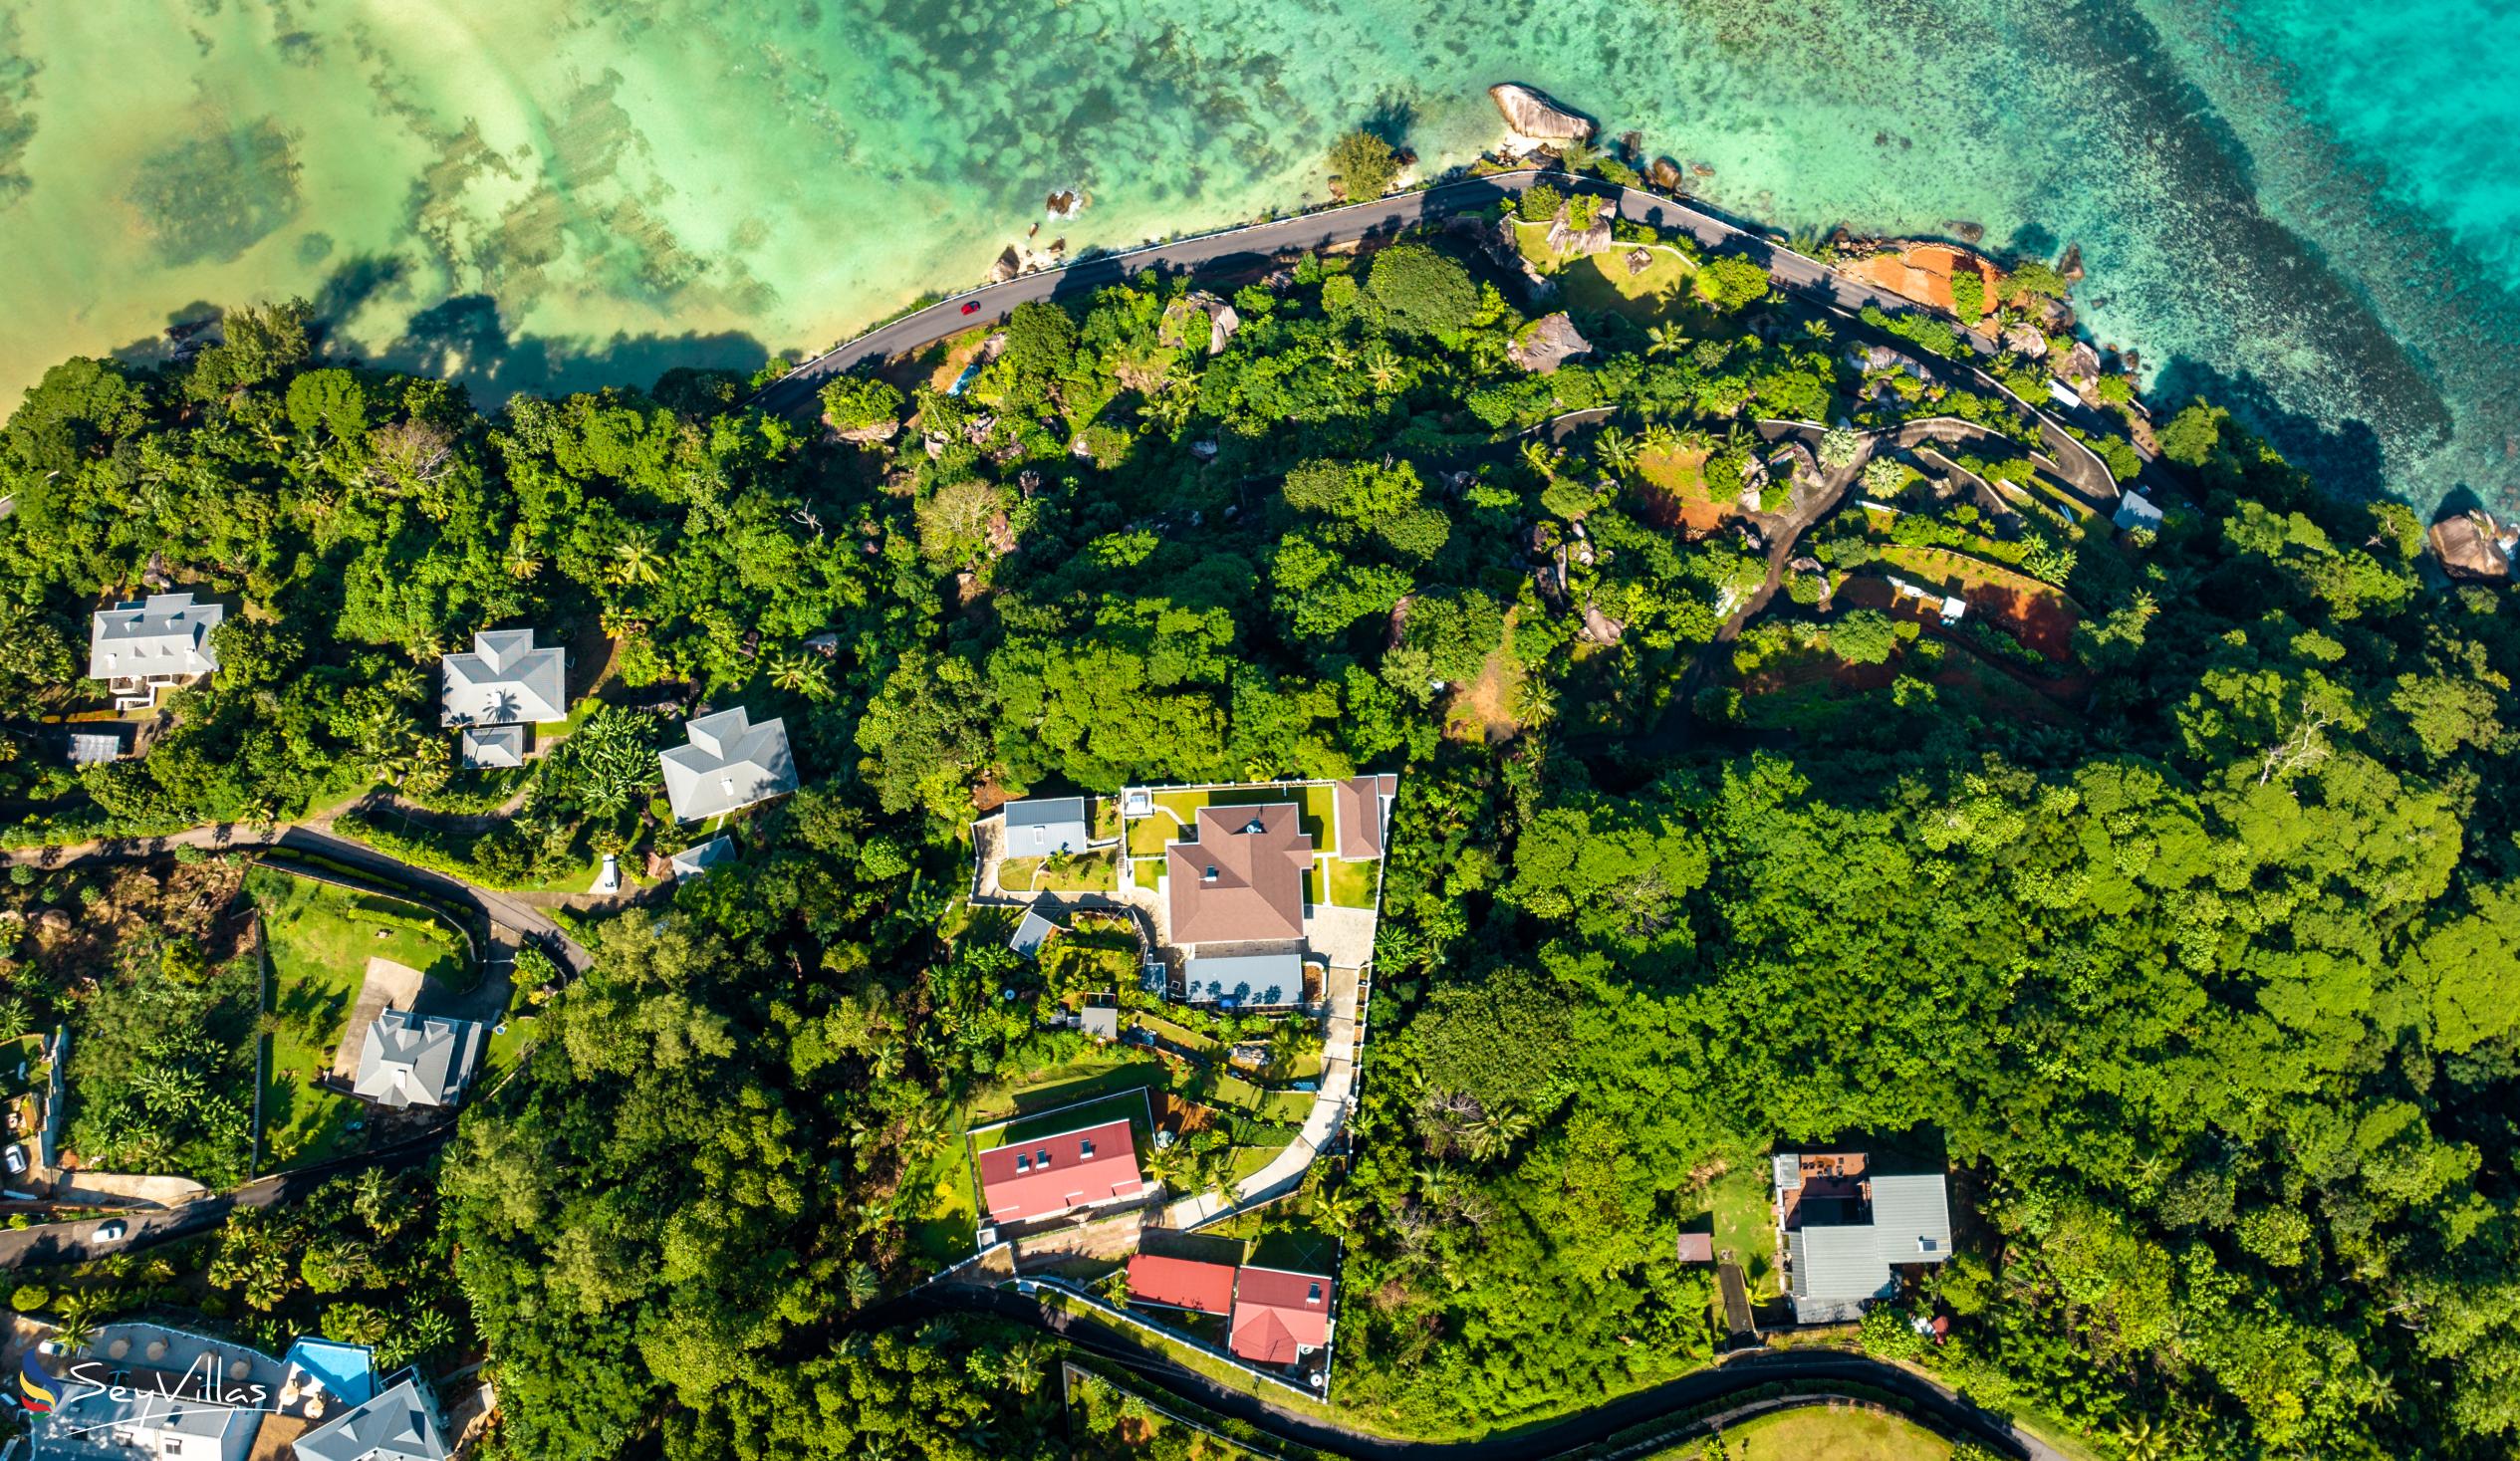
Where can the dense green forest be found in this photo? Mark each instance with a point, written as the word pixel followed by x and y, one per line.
pixel 2195 944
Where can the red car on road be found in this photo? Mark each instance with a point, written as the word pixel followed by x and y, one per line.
pixel 972 307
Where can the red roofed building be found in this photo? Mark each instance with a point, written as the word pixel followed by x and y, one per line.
pixel 1048 1176
pixel 1279 1315
pixel 1181 1282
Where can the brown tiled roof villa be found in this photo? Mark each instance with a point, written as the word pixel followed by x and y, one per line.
pixel 1242 882
pixel 1360 814
pixel 1279 1315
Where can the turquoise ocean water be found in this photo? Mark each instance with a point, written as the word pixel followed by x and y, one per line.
pixel 2305 208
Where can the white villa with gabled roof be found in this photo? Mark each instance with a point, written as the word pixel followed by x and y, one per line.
pixel 139 648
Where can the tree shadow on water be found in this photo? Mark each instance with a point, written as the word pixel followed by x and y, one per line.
pixel 464 339
pixel 2345 457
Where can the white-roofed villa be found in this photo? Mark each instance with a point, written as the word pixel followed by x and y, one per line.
pixel 494 694
pixel 139 648
pixel 731 763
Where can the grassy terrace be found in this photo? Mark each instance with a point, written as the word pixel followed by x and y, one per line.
pixel 1350 884
pixel 1600 282
pixel 1086 872
pixel 1133 1105
pixel 1313 800
pixel 319 938
pixel 1818 1433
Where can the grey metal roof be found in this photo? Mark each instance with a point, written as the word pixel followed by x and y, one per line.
pixel 730 763
pixel 492 747
pixel 88 1424
pixel 91 748
pixel 400 1425
pixel 2135 510
pixel 1271 979
pixel 692 862
pixel 414 1060
pixel 1051 825
pixel 505 680
pixel 1912 1219
pixel 165 633
pixel 1031 934
pixel 1838 1262
pixel 1102 1019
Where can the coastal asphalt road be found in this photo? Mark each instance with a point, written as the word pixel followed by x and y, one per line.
pixel 77 1242
pixel 1257 243
pixel 1947 1412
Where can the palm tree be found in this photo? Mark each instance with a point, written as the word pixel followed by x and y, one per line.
pixel 1495 1132
pixel 635 559
pixel 1617 450
pixel 14 1017
pixel 1664 339
pixel 1026 1363
pixel 80 1314
pixel 427 1332
pixel 863 1285
pixel 1661 437
pixel 2143 1439
pixel 1819 329
pixel 1543 458
pixel 1338 1208
pixel 791 671
pixel 1535 702
pixel 1383 368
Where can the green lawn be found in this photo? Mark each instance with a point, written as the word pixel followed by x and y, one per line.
pixel 1148 836
pixel 1181 1036
pixel 1096 1072
pixel 1150 870
pixel 1088 872
pixel 1276 1106
pixel 319 940
pixel 25 1051
pixel 948 1221
pixel 1352 884
pixel 1313 800
pixel 1818 1433
pixel 1600 282
pixel 1745 1224
pixel 507 1046
pixel 1135 1106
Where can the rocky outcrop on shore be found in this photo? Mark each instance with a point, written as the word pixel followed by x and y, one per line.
pixel 1532 115
pixel 1548 343
pixel 1566 239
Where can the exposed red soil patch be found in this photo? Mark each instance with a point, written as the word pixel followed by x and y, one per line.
pixel 2038 614
pixel 1923 273
pixel 1674 495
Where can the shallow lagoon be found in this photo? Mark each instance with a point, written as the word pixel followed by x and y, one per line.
pixel 2297 203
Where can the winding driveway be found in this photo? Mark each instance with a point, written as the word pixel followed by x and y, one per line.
pixel 1255 245
pixel 1096 1336
pixel 149 1227
pixel 510 919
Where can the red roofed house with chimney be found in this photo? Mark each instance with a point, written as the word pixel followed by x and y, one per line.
pixel 1181 1282
pixel 1241 880
pixel 1278 1316
pixel 1042 1178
